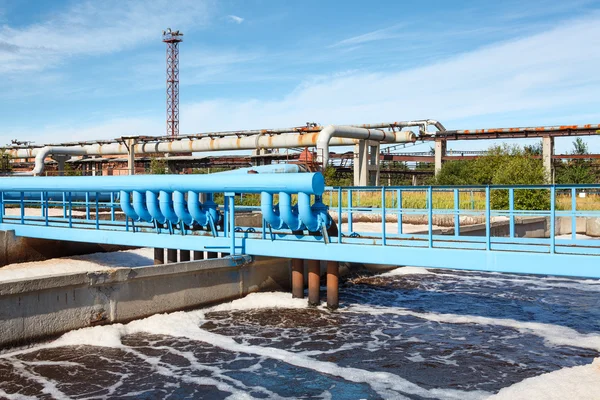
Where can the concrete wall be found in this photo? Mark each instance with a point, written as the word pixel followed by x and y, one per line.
pixel 32 309
pixel 16 249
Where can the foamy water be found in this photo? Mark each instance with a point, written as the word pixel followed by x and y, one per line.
pixel 411 333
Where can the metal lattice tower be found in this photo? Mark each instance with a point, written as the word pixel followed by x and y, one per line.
pixel 172 39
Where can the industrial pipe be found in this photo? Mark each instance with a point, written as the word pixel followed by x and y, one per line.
pixel 125 202
pixel 139 205
pixel 196 209
pixel 154 207
pixel 349 132
pixel 288 213
pixel 314 218
pixel 181 208
pixel 269 212
pixel 166 206
pixel 50 150
pixel 312 183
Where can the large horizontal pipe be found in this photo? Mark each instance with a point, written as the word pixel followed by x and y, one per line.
pixel 327 135
pixel 311 183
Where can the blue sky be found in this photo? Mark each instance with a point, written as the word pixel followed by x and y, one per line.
pixel 81 70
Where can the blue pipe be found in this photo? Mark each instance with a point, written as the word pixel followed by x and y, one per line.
pixel 153 207
pixel 287 212
pixel 315 217
pixel 139 205
pixel 211 208
pixel 270 213
pixel 181 208
pixel 166 207
pixel 126 206
pixel 312 183
pixel 197 210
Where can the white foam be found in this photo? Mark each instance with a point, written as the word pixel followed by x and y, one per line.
pixel 255 301
pixel 407 271
pixel 552 334
pixel 581 383
pixel 187 324
pixel 75 264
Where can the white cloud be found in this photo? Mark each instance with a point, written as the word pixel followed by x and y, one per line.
pixel 380 34
pixel 90 28
pixel 548 78
pixel 537 74
pixel 235 18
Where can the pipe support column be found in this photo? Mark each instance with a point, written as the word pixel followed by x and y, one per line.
pixel 440 153
pixel 333 276
pixel 547 153
pixel 297 278
pixel 314 282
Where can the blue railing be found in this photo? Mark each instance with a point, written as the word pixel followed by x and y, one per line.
pixel 529 229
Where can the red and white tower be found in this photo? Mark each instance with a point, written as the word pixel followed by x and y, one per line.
pixel 172 39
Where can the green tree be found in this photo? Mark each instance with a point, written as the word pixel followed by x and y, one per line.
pixel 157 167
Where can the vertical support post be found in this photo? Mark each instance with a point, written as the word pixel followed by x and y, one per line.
pixel 184 255
pixel 22 208
pixel 314 282
pixel 547 153
pixel 440 153
pixel 171 255
pixel 350 229
pixel 112 206
pixel 488 215
pixel 573 215
pixel 340 215
pixel 297 278
pixel 198 255
pixel 333 275
pixel 456 212
pixel 383 217
pixel 97 210
pixel 361 171
pixel 552 219
pixel 1 207
pixel 42 204
pixel 87 206
pixel 399 197
pixel 430 216
pixel 131 156
pixel 159 256
pixel 70 209
pixel 511 211
pixel 230 199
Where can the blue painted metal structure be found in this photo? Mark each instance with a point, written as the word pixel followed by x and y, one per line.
pixel 166 211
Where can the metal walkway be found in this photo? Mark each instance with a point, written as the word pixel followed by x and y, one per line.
pixel 198 212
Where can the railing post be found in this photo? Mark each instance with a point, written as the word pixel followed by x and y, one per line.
pixel 552 219
pixel 71 210
pixel 87 206
pixel 511 212
pixel 112 206
pixel 456 213
pixel 399 199
pixel 383 241
pixel 339 215
pixel 230 221
pixel 430 216
pixel 350 229
pixel 22 208
pixel 488 215
pixel 1 207
pixel 97 210
pixel 573 213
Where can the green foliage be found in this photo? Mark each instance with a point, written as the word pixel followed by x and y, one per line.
pixel 157 167
pixel 455 173
pixel 577 171
pixel 579 147
pixel 70 171
pixel 332 178
pixel 503 165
